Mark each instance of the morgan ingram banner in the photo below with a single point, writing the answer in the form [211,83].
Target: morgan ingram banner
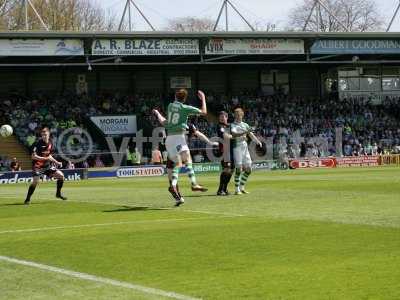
[116,125]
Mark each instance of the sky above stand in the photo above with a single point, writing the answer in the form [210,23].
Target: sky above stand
[256,11]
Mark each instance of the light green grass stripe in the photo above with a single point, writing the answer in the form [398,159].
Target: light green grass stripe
[216,213]
[94,278]
[104,224]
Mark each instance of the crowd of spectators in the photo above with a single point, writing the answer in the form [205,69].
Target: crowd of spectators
[26,115]
[67,111]
[294,124]
[10,165]
[4,163]
[299,124]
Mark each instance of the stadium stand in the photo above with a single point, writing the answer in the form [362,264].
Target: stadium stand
[307,93]
[11,148]
[367,128]
[69,111]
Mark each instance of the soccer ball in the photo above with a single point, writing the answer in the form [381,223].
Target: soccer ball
[6,130]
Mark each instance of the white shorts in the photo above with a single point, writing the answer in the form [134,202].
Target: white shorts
[242,156]
[175,145]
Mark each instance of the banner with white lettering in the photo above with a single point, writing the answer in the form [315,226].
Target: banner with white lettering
[312,163]
[358,161]
[356,47]
[145,47]
[37,47]
[116,125]
[254,46]
[26,176]
[145,171]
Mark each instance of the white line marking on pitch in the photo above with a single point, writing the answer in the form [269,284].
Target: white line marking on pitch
[100,224]
[84,276]
[166,208]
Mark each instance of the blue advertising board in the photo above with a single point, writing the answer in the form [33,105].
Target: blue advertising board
[124,172]
[341,46]
[26,176]
[102,174]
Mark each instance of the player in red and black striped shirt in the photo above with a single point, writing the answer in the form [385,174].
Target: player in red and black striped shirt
[228,165]
[43,163]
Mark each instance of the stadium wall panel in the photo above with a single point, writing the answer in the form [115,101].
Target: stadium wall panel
[148,81]
[116,81]
[49,82]
[212,81]
[304,82]
[12,81]
[241,79]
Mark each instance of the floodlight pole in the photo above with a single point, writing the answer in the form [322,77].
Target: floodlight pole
[225,6]
[319,4]
[394,17]
[123,15]
[333,15]
[28,3]
[38,15]
[128,7]
[130,18]
[226,16]
[3,5]
[26,15]
[219,15]
[320,19]
[309,16]
[144,17]
[240,15]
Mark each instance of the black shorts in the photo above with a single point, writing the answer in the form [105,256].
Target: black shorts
[49,172]
[228,164]
[170,164]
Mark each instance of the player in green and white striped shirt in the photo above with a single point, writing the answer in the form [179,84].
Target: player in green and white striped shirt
[176,125]
[240,131]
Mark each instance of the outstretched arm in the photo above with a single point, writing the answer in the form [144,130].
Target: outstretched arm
[34,156]
[205,139]
[203,109]
[58,163]
[255,139]
[160,117]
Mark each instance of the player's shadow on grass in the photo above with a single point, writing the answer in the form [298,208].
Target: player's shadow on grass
[20,204]
[200,196]
[133,208]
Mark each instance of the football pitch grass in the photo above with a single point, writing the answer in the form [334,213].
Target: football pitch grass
[312,234]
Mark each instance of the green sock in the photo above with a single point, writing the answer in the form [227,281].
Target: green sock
[191,175]
[244,178]
[175,175]
[237,178]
